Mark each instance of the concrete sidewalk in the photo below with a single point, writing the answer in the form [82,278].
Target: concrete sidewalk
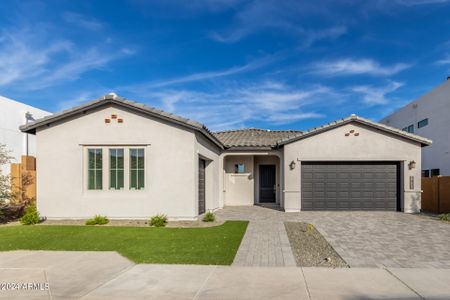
[107,275]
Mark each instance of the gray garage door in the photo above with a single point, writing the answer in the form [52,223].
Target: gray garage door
[350,186]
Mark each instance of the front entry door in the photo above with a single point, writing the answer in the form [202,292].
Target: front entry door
[267,183]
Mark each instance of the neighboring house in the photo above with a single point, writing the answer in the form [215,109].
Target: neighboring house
[122,159]
[12,115]
[428,116]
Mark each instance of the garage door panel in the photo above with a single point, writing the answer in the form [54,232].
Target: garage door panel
[349,185]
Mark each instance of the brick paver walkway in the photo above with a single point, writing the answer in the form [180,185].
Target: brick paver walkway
[363,239]
[265,244]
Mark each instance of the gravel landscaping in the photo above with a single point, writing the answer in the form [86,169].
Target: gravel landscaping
[134,223]
[310,248]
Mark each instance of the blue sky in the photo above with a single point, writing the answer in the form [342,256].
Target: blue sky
[228,64]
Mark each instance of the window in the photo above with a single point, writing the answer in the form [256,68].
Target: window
[435,172]
[425,173]
[116,169]
[409,128]
[422,123]
[136,169]
[95,171]
[239,168]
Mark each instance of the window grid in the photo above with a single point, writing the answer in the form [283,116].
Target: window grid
[95,169]
[137,168]
[116,167]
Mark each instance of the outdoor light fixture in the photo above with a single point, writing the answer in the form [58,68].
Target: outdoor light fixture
[412,165]
[292,165]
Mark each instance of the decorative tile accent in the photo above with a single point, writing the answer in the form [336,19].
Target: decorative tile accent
[352,132]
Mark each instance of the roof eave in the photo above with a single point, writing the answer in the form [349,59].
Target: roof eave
[31,128]
[423,141]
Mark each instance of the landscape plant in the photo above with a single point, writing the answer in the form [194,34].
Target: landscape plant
[209,217]
[97,220]
[445,217]
[31,216]
[158,220]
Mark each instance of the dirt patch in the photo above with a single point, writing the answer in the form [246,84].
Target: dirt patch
[134,223]
[310,248]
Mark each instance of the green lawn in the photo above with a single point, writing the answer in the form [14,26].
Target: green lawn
[208,245]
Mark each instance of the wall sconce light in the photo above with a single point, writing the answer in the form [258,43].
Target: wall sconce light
[292,165]
[412,165]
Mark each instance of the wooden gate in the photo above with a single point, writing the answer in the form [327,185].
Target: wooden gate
[436,194]
[23,180]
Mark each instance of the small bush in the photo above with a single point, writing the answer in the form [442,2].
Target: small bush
[209,217]
[31,216]
[10,212]
[97,220]
[158,221]
[445,217]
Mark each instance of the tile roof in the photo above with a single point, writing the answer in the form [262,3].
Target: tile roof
[114,99]
[253,137]
[233,139]
[357,119]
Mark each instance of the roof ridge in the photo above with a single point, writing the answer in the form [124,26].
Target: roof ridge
[258,129]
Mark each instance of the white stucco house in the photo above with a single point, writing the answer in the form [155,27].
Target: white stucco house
[122,159]
[12,115]
[428,116]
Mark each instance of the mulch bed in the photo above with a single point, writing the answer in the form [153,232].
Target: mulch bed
[310,248]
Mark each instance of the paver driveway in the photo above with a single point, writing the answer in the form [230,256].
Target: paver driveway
[363,239]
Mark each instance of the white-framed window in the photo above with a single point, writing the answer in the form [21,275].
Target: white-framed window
[116,168]
[95,168]
[137,168]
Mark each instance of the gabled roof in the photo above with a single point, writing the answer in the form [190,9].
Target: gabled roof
[253,137]
[241,139]
[114,99]
[354,118]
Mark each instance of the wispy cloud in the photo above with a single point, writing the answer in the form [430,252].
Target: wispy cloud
[31,59]
[235,106]
[209,75]
[444,61]
[83,21]
[376,95]
[349,66]
[282,16]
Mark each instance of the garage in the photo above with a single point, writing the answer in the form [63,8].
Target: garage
[337,185]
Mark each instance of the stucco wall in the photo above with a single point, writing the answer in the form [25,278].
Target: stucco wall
[12,115]
[370,145]
[239,188]
[435,106]
[171,161]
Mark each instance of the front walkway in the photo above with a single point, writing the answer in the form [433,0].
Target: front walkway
[265,243]
[362,239]
[107,275]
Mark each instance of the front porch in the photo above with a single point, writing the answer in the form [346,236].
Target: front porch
[252,179]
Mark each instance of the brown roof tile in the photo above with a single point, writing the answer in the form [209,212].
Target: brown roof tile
[253,137]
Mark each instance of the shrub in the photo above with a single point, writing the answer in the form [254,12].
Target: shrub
[209,217]
[158,220]
[10,212]
[97,220]
[445,217]
[31,216]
